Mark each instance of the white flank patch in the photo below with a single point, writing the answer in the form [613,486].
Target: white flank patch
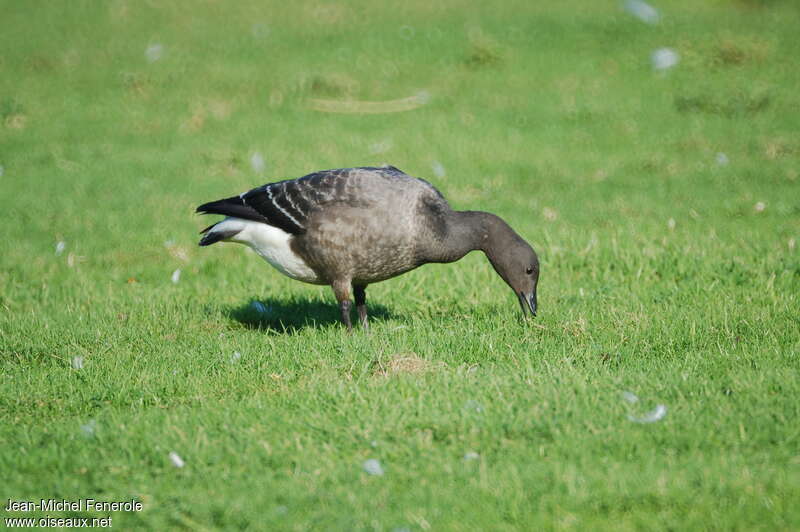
[272,244]
[176,276]
[60,247]
[176,460]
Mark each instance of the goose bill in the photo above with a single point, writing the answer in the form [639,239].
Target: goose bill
[528,303]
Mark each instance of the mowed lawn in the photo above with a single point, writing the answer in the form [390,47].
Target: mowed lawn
[665,206]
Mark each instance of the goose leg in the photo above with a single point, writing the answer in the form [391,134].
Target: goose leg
[342,292]
[360,293]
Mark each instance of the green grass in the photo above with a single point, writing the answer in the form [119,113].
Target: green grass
[662,274]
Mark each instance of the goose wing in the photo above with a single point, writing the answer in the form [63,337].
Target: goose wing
[288,204]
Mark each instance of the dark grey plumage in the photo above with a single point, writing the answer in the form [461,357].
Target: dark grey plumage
[355,226]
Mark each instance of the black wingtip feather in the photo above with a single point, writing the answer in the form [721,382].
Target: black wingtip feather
[233,206]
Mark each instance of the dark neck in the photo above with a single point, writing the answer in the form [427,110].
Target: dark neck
[469,231]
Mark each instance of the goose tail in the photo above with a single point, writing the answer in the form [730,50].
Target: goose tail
[220,231]
[236,210]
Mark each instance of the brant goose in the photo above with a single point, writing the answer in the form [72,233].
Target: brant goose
[352,227]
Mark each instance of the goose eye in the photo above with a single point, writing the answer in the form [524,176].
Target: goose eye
[529,271]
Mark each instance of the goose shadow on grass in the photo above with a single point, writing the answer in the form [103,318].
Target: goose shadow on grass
[289,316]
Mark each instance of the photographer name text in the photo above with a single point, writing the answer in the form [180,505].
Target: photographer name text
[78,505]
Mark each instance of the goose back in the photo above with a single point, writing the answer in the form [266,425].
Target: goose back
[371,228]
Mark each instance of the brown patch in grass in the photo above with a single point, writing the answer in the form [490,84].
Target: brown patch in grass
[195,122]
[179,252]
[40,63]
[327,13]
[483,55]
[220,109]
[778,148]
[483,52]
[136,84]
[404,363]
[275,98]
[734,51]
[364,107]
[17,121]
[119,10]
[73,260]
[736,104]
[333,84]
[576,328]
